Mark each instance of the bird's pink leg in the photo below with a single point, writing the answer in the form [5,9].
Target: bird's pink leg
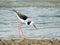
[19,29]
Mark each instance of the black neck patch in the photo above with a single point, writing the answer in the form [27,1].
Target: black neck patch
[28,22]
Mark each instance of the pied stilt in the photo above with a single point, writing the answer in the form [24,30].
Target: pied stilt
[24,19]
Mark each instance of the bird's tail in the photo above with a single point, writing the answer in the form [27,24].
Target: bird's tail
[15,11]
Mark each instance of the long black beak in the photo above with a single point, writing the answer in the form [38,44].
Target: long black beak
[35,26]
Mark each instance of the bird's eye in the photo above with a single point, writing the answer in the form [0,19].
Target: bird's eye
[28,22]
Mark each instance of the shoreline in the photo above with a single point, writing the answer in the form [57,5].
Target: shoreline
[30,42]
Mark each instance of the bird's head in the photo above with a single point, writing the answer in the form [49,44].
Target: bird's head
[33,24]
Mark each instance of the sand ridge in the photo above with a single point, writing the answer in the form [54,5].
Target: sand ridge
[30,42]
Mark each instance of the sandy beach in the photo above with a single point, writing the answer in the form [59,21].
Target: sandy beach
[30,42]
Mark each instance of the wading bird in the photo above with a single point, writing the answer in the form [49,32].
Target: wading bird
[24,19]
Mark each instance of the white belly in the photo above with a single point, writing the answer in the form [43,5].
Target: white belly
[22,20]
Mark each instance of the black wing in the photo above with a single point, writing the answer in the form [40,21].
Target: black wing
[21,15]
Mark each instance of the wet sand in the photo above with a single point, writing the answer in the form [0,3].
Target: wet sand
[30,42]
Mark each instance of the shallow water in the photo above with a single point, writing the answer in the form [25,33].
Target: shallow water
[46,20]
